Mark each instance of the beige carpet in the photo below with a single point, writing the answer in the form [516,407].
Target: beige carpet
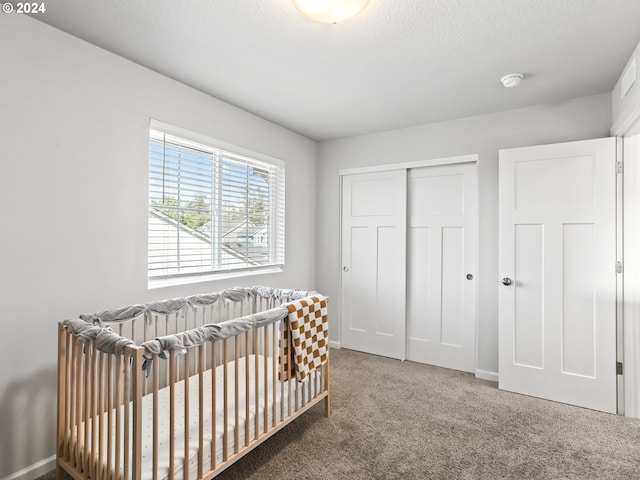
[403,420]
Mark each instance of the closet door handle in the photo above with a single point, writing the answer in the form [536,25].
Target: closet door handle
[345,268]
[506,281]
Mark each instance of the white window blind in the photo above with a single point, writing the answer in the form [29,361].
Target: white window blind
[211,210]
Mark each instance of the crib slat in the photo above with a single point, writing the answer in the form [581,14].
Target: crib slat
[274,375]
[118,402]
[87,404]
[127,415]
[201,368]
[290,373]
[155,372]
[93,454]
[225,404]
[62,389]
[265,351]
[68,395]
[79,400]
[297,388]
[172,413]
[303,391]
[77,444]
[138,380]
[256,378]
[145,337]
[282,353]
[247,397]
[73,402]
[185,383]
[100,394]
[109,415]
[327,386]
[214,403]
[236,361]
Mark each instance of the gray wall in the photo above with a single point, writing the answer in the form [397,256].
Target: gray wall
[74,123]
[578,119]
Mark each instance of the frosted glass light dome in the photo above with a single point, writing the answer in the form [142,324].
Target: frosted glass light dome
[330,11]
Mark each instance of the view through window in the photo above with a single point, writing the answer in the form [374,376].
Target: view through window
[211,210]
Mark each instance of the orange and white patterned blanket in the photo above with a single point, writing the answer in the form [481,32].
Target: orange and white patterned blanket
[308,334]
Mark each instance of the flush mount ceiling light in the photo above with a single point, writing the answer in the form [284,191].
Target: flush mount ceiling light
[330,11]
[512,80]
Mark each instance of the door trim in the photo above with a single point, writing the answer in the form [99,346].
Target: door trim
[631,274]
[620,347]
[628,130]
[473,158]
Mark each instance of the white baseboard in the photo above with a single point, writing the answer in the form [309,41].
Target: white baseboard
[485,375]
[34,471]
[334,344]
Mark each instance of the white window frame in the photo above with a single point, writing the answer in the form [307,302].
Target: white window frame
[276,229]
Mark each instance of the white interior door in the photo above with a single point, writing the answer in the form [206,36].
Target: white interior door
[441,266]
[557,264]
[373,262]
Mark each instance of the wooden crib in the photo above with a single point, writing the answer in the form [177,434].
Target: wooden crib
[181,389]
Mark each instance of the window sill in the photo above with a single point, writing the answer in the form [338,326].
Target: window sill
[155,283]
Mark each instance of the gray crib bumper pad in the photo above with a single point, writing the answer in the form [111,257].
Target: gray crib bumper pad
[91,328]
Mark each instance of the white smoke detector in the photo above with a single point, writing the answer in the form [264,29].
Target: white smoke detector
[512,80]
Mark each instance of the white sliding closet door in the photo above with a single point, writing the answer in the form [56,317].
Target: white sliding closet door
[441,266]
[557,262]
[373,268]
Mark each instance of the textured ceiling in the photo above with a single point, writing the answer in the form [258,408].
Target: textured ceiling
[399,63]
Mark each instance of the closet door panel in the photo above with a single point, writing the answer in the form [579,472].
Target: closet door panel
[373,262]
[441,291]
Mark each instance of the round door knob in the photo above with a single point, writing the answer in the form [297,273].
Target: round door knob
[506,281]
[346,269]
[469,276]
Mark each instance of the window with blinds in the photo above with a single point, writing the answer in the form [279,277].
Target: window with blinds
[212,211]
